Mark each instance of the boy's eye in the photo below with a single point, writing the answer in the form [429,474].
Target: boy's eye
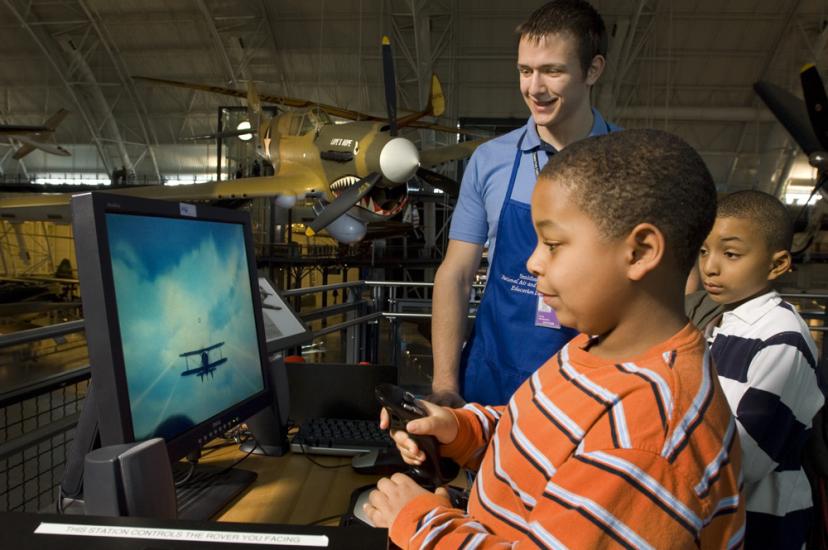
[552,246]
[731,255]
[703,252]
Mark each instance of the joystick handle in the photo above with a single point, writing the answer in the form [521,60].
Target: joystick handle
[403,407]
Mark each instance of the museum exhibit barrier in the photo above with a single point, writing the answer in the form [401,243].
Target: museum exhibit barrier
[377,322]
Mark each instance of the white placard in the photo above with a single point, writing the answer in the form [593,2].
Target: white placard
[160,533]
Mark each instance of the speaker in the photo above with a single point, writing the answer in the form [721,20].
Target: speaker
[133,479]
[269,426]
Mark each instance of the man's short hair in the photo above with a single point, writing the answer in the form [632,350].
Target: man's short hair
[574,17]
[769,214]
[626,178]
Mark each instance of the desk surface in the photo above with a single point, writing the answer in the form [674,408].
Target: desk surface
[291,489]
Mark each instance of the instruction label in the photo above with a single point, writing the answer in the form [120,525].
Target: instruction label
[153,533]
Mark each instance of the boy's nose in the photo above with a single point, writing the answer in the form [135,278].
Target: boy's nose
[709,266]
[532,264]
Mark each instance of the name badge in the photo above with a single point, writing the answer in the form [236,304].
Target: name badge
[545,316]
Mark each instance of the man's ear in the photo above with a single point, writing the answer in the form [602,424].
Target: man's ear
[645,246]
[780,264]
[595,70]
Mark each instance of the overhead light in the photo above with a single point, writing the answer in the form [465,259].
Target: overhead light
[244,125]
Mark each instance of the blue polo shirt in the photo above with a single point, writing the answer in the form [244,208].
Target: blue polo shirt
[486,178]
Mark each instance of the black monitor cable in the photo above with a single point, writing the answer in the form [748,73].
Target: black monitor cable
[59,503]
[292,428]
[192,462]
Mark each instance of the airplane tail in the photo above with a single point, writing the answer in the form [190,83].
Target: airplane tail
[435,107]
[436,100]
[54,121]
[254,105]
[38,142]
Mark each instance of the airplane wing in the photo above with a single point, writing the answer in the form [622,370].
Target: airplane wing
[17,129]
[199,351]
[301,103]
[24,150]
[54,207]
[216,363]
[439,155]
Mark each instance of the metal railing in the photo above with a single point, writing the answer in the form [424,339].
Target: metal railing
[367,320]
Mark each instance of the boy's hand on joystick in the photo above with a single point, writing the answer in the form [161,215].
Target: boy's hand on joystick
[439,423]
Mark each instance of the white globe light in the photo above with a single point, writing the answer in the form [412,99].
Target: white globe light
[244,125]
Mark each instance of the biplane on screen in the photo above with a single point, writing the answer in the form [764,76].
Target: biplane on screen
[186,319]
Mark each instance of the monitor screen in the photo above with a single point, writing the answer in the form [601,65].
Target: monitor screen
[172,316]
[186,318]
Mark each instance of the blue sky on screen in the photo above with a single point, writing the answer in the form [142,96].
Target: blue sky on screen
[182,285]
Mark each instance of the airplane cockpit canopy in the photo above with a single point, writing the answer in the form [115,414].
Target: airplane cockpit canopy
[299,123]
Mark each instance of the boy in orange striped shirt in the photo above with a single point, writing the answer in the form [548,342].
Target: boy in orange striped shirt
[624,437]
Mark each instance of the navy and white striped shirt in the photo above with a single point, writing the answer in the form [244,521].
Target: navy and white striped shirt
[767,365]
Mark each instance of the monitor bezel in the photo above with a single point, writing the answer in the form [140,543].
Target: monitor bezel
[101,317]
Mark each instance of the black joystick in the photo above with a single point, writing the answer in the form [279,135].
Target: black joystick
[403,407]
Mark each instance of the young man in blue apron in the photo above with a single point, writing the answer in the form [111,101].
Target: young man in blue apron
[561,55]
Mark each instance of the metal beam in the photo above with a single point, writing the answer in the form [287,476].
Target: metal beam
[211,27]
[47,45]
[126,80]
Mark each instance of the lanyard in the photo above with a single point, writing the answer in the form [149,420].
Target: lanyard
[535,162]
[535,152]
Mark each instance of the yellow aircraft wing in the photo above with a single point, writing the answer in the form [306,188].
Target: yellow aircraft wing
[55,206]
[439,155]
[408,120]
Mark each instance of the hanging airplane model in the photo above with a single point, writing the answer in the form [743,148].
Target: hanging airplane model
[36,137]
[807,122]
[206,367]
[356,172]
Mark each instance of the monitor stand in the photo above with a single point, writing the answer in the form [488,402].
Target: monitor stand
[210,490]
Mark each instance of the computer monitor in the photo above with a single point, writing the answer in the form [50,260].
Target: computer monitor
[171,307]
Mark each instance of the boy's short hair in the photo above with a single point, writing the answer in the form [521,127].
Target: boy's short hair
[626,178]
[769,214]
[574,17]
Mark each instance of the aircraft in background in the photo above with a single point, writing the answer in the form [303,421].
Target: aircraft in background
[356,173]
[807,122]
[36,137]
[206,367]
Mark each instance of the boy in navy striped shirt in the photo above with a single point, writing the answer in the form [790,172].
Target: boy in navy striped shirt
[766,362]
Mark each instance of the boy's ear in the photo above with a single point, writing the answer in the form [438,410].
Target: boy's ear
[596,68]
[780,264]
[645,250]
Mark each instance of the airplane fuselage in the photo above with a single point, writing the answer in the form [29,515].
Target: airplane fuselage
[338,155]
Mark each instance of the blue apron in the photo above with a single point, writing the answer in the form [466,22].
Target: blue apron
[505,346]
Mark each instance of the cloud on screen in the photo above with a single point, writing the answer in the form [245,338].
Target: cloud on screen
[182,285]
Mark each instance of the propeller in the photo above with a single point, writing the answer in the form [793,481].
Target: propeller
[356,192]
[791,112]
[816,103]
[342,203]
[390,85]
[441,182]
[807,122]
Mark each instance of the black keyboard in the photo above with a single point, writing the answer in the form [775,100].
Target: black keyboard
[340,437]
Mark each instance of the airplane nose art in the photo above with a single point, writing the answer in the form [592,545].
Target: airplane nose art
[399,160]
